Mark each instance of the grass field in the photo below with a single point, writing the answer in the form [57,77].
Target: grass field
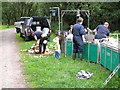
[45,71]
[4,27]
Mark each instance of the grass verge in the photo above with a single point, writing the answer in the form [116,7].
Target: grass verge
[48,72]
[3,27]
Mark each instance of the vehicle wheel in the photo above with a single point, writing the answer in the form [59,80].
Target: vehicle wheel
[21,35]
[17,30]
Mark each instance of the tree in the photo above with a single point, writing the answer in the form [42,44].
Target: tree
[99,11]
[12,11]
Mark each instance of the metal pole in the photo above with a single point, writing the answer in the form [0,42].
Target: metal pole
[88,25]
[111,75]
[88,20]
[0,13]
[64,11]
[50,18]
[62,14]
[88,14]
[58,15]
[117,38]
[59,18]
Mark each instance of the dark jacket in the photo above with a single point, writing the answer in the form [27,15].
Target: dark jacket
[78,31]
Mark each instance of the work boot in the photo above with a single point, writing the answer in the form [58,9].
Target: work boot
[80,56]
[74,56]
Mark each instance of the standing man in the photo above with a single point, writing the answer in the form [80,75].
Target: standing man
[102,31]
[78,31]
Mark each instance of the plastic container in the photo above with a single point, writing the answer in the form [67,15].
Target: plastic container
[102,55]
[115,59]
[109,57]
[68,48]
[93,52]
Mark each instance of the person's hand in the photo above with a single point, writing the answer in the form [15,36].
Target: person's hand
[89,30]
[37,42]
[85,30]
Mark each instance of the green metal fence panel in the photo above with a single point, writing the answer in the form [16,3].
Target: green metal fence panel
[115,59]
[85,51]
[119,63]
[119,72]
[69,48]
[93,52]
[102,55]
[108,58]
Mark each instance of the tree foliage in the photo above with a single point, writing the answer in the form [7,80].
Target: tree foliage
[12,11]
[99,11]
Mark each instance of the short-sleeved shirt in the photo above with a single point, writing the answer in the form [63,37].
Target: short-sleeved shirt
[102,32]
[78,30]
[38,34]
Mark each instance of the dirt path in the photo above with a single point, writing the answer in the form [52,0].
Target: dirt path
[10,68]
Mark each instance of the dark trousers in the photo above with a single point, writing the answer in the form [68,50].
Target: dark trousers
[41,44]
[77,46]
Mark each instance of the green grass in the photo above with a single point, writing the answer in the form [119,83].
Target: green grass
[48,72]
[3,27]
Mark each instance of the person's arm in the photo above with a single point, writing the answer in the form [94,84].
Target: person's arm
[108,34]
[82,31]
[94,30]
[35,37]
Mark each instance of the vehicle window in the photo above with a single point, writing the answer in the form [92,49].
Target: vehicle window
[45,23]
[26,20]
[29,22]
[42,22]
[22,19]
